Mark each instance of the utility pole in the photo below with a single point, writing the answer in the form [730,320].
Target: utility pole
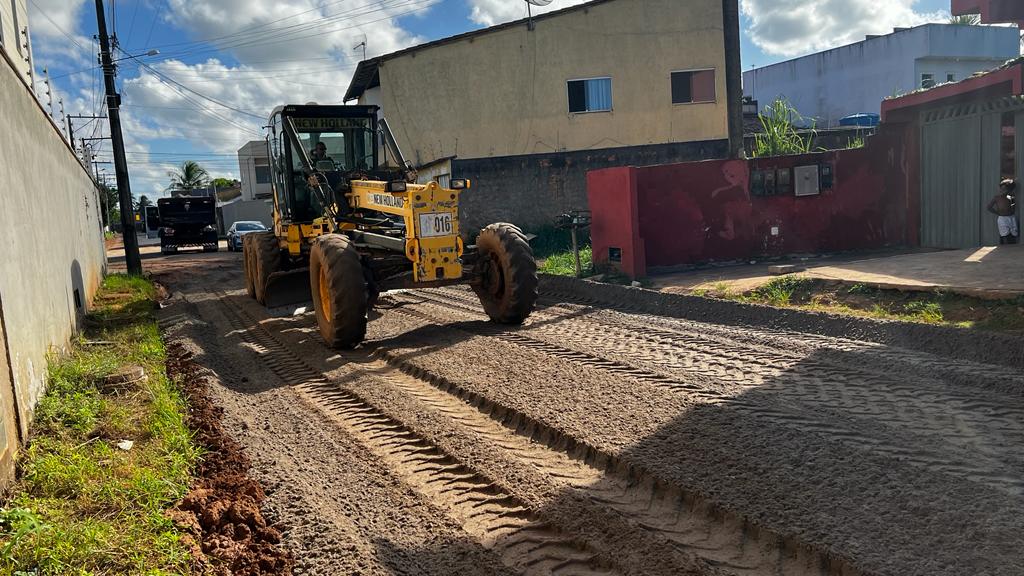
[733,76]
[131,242]
[71,127]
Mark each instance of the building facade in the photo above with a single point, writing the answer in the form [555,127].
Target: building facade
[526,108]
[15,40]
[831,85]
[254,170]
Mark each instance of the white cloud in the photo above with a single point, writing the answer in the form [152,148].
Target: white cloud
[291,51]
[491,12]
[55,40]
[796,27]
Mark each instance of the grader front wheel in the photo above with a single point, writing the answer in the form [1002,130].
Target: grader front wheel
[505,274]
[266,259]
[340,294]
[249,265]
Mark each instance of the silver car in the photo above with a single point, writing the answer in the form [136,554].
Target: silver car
[241,228]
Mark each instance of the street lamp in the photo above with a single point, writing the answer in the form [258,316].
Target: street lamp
[153,52]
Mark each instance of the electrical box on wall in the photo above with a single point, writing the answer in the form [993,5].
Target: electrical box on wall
[783,181]
[827,178]
[757,183]
[808,181]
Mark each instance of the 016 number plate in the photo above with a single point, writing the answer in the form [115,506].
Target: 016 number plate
[435,224]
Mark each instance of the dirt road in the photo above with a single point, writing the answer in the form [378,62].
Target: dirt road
[593,441]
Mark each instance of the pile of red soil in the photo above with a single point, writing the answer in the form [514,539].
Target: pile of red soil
[222,509]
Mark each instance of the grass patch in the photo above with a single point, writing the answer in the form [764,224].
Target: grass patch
[867,301]
[564,263]
[82,505]
[779,292]
[552,241]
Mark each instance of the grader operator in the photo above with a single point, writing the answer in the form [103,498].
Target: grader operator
[349,225]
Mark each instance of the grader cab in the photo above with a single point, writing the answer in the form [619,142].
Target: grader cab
[349,224]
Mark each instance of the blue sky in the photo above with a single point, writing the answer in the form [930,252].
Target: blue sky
[236,59]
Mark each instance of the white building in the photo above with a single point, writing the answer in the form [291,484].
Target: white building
[254,170]
[857,78]
[15,41]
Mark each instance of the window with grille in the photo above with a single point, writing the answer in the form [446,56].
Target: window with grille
[590,95]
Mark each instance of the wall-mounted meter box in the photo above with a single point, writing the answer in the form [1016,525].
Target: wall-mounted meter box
[808,180]
[827,178]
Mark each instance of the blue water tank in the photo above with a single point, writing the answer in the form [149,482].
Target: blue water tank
[865,120]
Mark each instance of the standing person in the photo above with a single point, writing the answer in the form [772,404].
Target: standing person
[1004,206]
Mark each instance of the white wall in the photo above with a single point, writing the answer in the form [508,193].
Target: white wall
[13,21]
[52,239]
[857,78]
[249,156]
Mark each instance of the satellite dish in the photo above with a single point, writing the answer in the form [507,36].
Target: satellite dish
[539,2]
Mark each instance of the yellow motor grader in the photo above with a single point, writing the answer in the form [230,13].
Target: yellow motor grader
[349,225]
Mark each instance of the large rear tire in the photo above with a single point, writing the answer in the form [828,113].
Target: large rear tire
[266,259]
[249,266]
[505,274]
[340,293]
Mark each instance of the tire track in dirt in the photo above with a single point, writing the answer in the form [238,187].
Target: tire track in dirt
[723,541]
[496,518]
[837,349]
[711,340]
[935,431]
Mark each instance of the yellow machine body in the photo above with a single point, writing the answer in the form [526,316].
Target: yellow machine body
[431,214]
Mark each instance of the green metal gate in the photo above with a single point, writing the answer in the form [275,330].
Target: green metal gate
[960,171]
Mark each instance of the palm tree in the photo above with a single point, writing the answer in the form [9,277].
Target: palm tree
[189,176]
[966,20]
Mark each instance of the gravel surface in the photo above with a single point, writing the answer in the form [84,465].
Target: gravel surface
[629,443]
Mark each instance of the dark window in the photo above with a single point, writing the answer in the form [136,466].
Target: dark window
[927,80]
[263,174]
[950,77]
[593,95]
[693,86]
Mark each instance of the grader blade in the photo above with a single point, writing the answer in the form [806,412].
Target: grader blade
[287,288]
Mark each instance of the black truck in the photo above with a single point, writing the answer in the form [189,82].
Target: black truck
[187,221]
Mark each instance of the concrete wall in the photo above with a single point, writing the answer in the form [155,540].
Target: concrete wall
[13,22]
[704,212]
[504,92]
[52,238]
[857,78]
[256,210]
[531,191]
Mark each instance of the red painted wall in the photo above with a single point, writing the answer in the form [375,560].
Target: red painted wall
[615,225]
[704,212]
[991,11]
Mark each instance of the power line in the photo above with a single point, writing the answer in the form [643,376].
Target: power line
[57,26]
[289,35]
[245,30]
[186,88]
[156,16]
[131,26]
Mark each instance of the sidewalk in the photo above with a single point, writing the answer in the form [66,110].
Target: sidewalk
[989,272]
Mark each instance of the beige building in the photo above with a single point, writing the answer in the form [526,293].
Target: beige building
[14,37]
[526,109]
[606,74]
